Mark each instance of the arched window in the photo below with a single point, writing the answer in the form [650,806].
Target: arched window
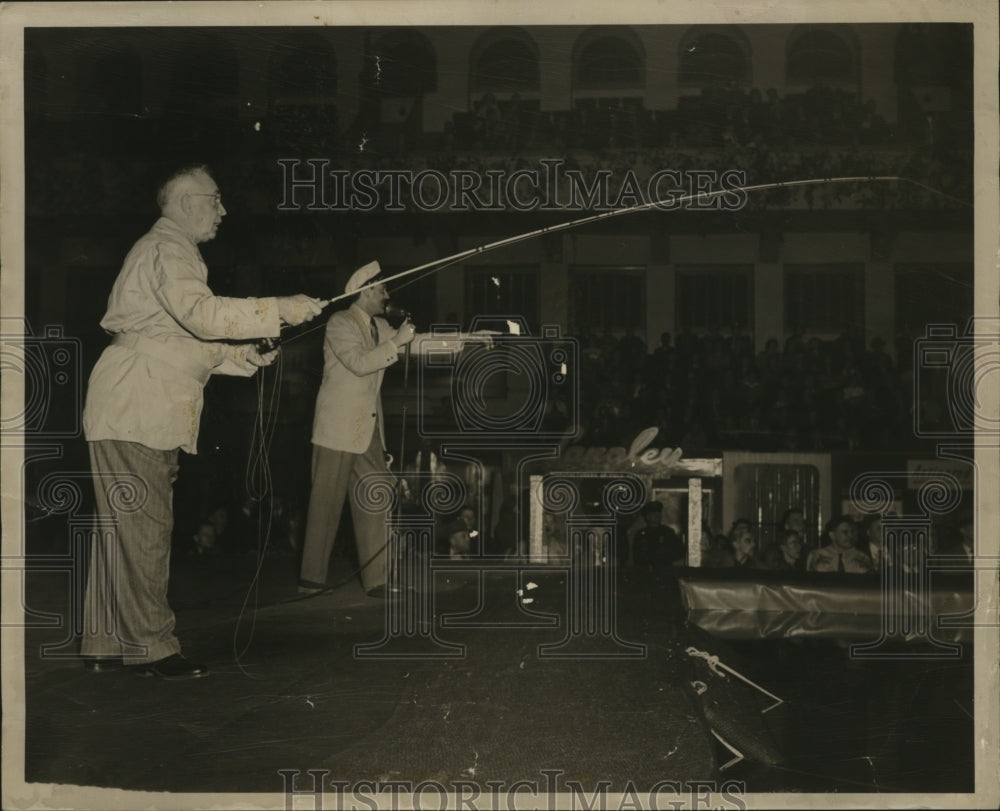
[304,68]
[820,55]
[302,92]
[715,57]
[402,63]
[504,60]
[609,88]
[609,59]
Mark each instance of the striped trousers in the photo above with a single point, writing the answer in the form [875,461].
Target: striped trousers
[126,612]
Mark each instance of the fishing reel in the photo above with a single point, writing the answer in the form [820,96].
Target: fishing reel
[265,345]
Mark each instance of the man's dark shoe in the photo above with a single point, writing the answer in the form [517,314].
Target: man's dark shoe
[102,664]
[173,668]
[382,592]
[311,587]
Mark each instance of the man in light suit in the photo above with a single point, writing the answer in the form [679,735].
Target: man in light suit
[348,431]
[348,435]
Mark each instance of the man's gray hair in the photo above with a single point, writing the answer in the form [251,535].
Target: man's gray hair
[165,193]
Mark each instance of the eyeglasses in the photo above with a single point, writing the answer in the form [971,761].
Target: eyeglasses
[216,198]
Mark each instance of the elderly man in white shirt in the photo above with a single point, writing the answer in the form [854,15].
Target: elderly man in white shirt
[170,333]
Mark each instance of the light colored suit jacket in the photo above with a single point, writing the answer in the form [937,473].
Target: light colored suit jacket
[349,405]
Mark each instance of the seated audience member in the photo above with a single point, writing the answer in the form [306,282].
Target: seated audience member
[589,545]
[219,519]
[464,539]
[294,529]
[840,554]
[204,540]
[909,557]
[245,527]
[673,514]
[744,545]
[553,536]
[459,542]
[738,526]
[461,535]
[964,545]
[966,529]
[904,554]
[794,520]
[656,544]
[875,541]
[510,528]
[786,554]
[717,552]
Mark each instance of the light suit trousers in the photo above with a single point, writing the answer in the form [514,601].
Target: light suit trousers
[335,476]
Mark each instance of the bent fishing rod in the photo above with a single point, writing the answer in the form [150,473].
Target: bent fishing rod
[663,204]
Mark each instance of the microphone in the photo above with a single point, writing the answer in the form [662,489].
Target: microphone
[395,311]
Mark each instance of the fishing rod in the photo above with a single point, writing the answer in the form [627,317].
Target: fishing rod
[662,204]
[672,202]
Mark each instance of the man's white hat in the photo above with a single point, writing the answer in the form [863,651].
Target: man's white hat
[362,276]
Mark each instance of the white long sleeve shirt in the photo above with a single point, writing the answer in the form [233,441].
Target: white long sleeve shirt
[174,332]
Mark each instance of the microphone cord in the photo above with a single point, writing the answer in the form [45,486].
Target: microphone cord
[259,488]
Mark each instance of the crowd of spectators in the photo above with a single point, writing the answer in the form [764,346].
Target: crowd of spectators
[713,391]
[716,116]
[846,545]
[83,178]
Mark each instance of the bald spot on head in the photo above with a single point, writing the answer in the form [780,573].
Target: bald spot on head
[185,181]
[190,198]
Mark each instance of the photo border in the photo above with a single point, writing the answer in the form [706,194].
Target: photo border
[14,18]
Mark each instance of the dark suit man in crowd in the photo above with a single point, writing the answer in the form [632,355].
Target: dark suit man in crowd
[656,544]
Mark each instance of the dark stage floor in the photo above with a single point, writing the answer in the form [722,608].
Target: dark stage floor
[290,692]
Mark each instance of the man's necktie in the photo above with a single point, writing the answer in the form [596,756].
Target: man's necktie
[840,563]
[374,328]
